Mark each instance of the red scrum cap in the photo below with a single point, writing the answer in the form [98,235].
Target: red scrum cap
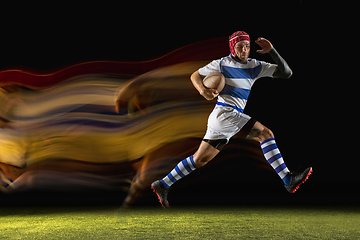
[236,37]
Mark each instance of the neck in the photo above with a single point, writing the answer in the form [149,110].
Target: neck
[239,60]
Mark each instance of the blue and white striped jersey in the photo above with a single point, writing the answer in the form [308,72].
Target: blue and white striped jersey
[239,79]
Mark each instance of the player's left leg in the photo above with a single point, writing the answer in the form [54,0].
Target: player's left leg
[272,154]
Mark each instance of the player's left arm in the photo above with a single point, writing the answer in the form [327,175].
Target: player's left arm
[283,70]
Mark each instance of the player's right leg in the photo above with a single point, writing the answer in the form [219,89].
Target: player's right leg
[205,153]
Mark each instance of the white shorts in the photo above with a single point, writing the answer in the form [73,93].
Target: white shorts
[225,122]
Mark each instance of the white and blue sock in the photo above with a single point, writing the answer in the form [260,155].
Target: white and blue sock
[185,167]
[274,158]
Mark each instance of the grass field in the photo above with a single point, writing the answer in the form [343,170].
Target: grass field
[243,222]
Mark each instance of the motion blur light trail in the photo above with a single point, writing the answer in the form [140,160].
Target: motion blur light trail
[77,120]
[99,124]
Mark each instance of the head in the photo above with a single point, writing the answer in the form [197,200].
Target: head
[239,43]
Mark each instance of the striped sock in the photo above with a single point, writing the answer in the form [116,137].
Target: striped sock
[274,158]
[183,168]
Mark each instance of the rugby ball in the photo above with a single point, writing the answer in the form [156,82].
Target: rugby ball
[214,80]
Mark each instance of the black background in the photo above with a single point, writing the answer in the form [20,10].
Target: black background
[308,112]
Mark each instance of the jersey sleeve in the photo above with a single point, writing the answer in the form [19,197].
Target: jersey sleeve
[267,69]
[213,66]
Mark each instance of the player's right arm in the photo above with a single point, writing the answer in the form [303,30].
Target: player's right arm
[197,81]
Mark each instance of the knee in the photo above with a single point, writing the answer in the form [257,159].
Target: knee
[204,154]
[260,133]
[266,133]
[201,161]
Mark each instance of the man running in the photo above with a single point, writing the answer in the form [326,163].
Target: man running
[228,118]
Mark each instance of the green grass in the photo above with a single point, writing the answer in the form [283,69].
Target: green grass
[180,223]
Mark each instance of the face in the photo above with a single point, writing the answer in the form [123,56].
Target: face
[242,50]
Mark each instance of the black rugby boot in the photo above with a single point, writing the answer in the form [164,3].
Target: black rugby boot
[297,179]
[161,193]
